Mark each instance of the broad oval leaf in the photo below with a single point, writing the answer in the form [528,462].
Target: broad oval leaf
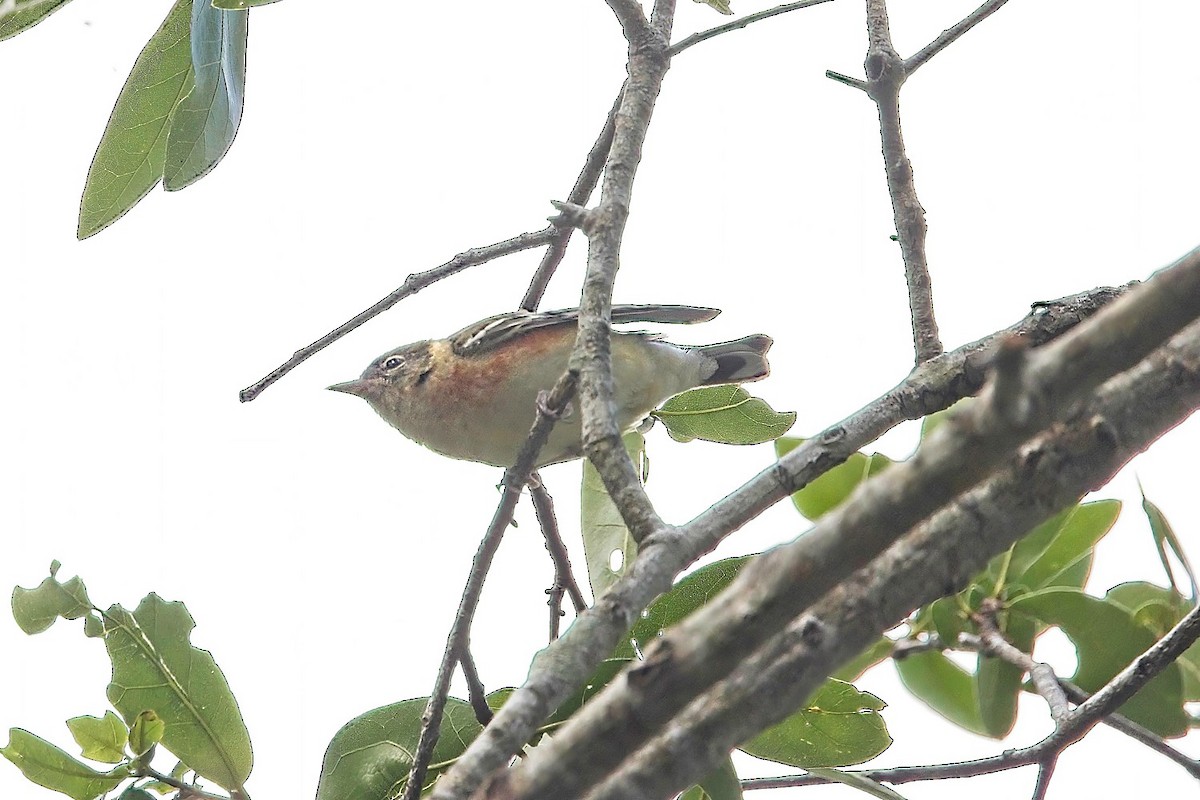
[132,151]
[101,739]
[1079,529]
[998,683]
[36,609]
[50,766]
[830,490]
[1160,609]
[691,592]
[608,547]
[723,414]
[944,686]
[155,667]
[204,123]
[370,757]
[24,14]
[839,726]
[1107,638]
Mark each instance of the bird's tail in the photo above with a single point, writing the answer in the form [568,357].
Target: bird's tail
[738,361]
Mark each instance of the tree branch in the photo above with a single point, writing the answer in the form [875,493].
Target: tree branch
[738,24]
[564,578]
[938,557]
[992,643]
[777,586]
[515,478]
[950,35]
[563,666]
[412,284]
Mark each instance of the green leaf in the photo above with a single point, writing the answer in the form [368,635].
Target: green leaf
[998,683]
[723,414]
[101,739]
[146,731]
[49,766]
[838,726]
[25,14]
[35,610]
[1107,638]
[129,160]
[831,489]
[1160,609]
[881,650]
[608,547]
[138,793]
[369,758]
[238,5]
[860,782]
[1080,529]
[721,784]
[945,687]
[155,667]
[1164,537]
[720,5]
[691,592]
[204,123]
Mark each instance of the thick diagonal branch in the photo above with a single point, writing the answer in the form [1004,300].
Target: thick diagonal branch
[1029,392]
[563,666]
[940,556]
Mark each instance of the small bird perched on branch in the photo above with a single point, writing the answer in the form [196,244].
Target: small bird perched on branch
[471,396]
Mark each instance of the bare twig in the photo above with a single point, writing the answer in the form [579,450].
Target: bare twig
[738,24]
[475,690]
[413,284]
[564,578]
[774,588]
[585,184]
[885,76]
[1049,473]
[993,643]
[515,478]
[950,35]
[563,666]
[886,72]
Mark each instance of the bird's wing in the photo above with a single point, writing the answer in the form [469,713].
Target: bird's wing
[494,331]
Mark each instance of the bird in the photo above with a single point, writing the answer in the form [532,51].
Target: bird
[472,395]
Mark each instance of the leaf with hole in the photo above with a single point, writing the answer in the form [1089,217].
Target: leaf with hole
[608,547]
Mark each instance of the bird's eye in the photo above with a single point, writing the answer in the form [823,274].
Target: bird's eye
[393,362]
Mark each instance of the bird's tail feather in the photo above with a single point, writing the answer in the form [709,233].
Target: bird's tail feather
[738,361]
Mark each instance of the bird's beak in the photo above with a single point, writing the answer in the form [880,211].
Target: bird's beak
[358,388]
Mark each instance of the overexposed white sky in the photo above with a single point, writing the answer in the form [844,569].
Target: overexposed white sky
[321,553]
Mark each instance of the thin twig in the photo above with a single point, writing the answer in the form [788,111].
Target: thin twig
[515,478]
[950,35]
[993,643]
[885,75]
[585,184]
[562,667]
[738,24]
[188,790]
[456,642]
[413,284]
[564,577]
[1045,773]
[475,690]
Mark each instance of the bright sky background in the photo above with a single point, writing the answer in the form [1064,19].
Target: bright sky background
[321,553]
